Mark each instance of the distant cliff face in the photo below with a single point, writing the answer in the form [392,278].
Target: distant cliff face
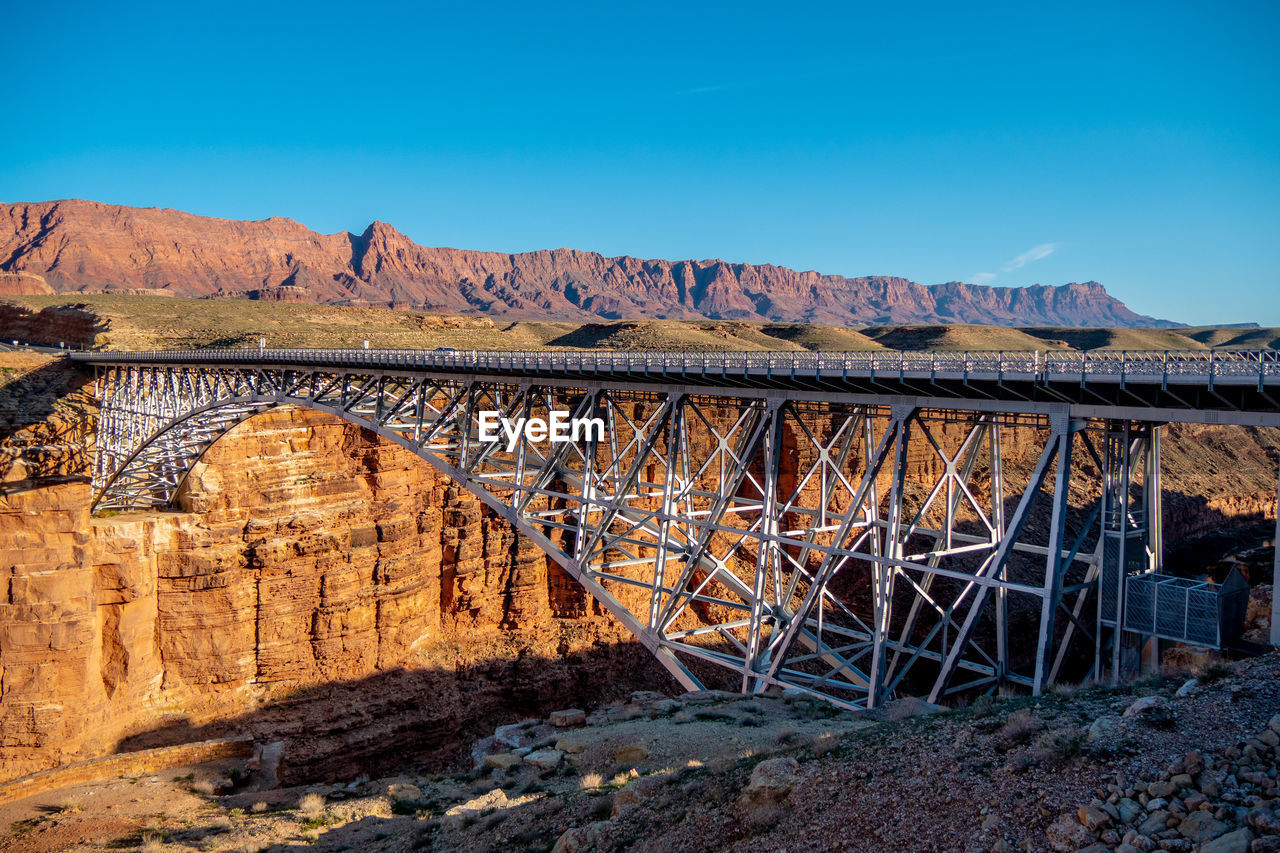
[82,246]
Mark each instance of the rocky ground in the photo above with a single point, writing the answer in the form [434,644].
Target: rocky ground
[1180,762]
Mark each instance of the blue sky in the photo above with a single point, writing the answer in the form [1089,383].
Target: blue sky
[1136,144]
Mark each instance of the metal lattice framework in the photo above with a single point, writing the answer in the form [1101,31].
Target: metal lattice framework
[848,547]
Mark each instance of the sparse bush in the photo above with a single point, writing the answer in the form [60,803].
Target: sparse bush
[984,706]
[591,780]
[151,843]
[1064,691]
[311,804]
[218,825]
[713,716]
[322,820]
[258,807]
[623,777]
[1211,671]
[204,787]
[1058,745]
[787,736]
[602,809]
[750,722]
[71,806]
[1018,728]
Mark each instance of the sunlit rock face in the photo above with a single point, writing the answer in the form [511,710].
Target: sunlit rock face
[83,246]
[317,585]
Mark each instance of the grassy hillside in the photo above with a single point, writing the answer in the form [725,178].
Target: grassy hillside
[143,322]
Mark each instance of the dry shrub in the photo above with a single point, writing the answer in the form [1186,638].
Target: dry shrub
[311,804]
[1058,745]
[1018,728]
[71,806]
[151,843]
[1211,671]
[204,787]
[788,736]
[258,807]
[624,777]
[591,780]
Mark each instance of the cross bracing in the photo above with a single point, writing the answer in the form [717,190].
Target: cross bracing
[854,547]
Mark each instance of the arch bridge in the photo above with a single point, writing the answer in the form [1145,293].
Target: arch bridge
[858,526]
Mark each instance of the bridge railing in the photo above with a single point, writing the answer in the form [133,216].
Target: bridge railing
[1040,366]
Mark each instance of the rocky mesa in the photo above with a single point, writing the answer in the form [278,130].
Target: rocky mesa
[87,247]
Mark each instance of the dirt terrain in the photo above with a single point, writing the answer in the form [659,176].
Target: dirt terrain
[1179,761]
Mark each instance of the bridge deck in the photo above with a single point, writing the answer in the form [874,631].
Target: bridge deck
[1209,386]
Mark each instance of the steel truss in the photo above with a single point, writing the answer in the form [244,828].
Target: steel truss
[753,540]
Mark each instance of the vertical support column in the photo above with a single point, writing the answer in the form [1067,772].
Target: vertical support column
[767,550]
[997,522]
[1275,580]
[884,570]
[675,441]
[1154,501]
[1055,565]
[1121,520]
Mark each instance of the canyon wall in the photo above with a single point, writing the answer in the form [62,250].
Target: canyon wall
[82,246]
[317,585]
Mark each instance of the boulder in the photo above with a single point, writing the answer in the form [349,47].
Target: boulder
[1104,728]
[571,746]
[772,780]
[568,718]
[1238,841]
[1189,688]
[1068,834]
[502,760]
[1093,817]
[1155,822]
[495,799]
[580,839]
[1200,827]
[544,759]
[403,793]
[625,800]
[1144,705]
[1130,810]
[631,754]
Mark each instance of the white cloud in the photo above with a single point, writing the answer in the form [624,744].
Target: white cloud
[1035,253]
[982,277]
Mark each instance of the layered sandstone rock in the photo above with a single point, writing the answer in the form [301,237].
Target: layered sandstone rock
[82,246]
[319,586]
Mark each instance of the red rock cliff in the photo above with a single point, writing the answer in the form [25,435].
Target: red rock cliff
[319,586]
[82,246]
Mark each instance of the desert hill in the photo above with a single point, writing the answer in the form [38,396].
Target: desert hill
[87,247]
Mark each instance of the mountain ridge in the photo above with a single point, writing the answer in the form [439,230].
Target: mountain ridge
[80,246]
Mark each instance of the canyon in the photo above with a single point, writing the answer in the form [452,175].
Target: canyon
[316,585]
[321,587]
[76,246]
